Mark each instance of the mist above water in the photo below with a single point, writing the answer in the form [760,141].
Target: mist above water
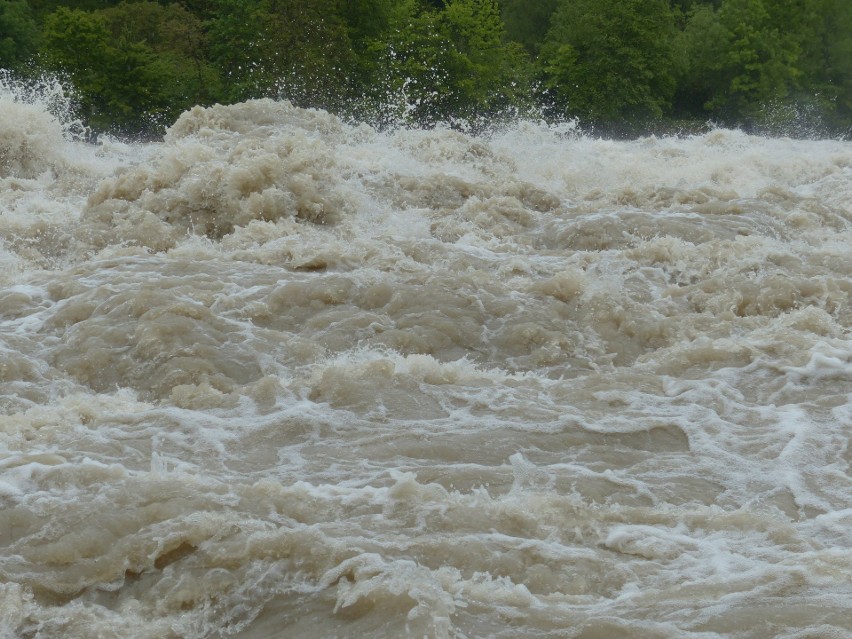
[280,375]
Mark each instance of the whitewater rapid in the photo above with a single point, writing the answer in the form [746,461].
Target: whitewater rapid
[284,376]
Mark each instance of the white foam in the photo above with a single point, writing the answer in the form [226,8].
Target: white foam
[514,384]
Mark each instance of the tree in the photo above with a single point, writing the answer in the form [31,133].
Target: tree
[706,41]
[370,21]
[18,33]
[825,40]
[611,62]
[135,66]
[760,60]
[45,7]
[527,22]
[454,63]
[744,59]
[493,72]
[836,80]
[175,38]
[79,43]
[299,49]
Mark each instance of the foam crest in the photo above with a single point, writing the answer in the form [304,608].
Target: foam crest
[221,168]
[283,372]
[36,124]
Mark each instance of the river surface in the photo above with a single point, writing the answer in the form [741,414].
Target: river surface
[283,376]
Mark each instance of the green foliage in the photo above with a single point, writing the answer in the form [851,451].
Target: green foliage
[454,62]
[758,62]
[836,79]
[685,6]
[241,36]
[79,43]
[299,49]
[826,59]
[416,72]
[493,74]
[18,33]
[372,21]
[527,22]
[45,7]
[621,64]
[772,62]
[705,45]
[136,65]
[611,62]
[173,43]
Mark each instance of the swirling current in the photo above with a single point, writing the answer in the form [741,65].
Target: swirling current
[280,375]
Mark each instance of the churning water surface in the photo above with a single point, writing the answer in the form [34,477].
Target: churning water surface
[282,376]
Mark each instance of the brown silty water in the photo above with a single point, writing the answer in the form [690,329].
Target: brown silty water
[281,376]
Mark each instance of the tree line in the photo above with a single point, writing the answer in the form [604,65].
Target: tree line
[620,66]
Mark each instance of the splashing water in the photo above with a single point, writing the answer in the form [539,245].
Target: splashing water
[280,375]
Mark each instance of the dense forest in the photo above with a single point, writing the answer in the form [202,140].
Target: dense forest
[620,67]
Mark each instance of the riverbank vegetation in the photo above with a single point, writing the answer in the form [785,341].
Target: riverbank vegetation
[620,67]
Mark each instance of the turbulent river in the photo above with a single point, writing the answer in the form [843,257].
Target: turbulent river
[282,376]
